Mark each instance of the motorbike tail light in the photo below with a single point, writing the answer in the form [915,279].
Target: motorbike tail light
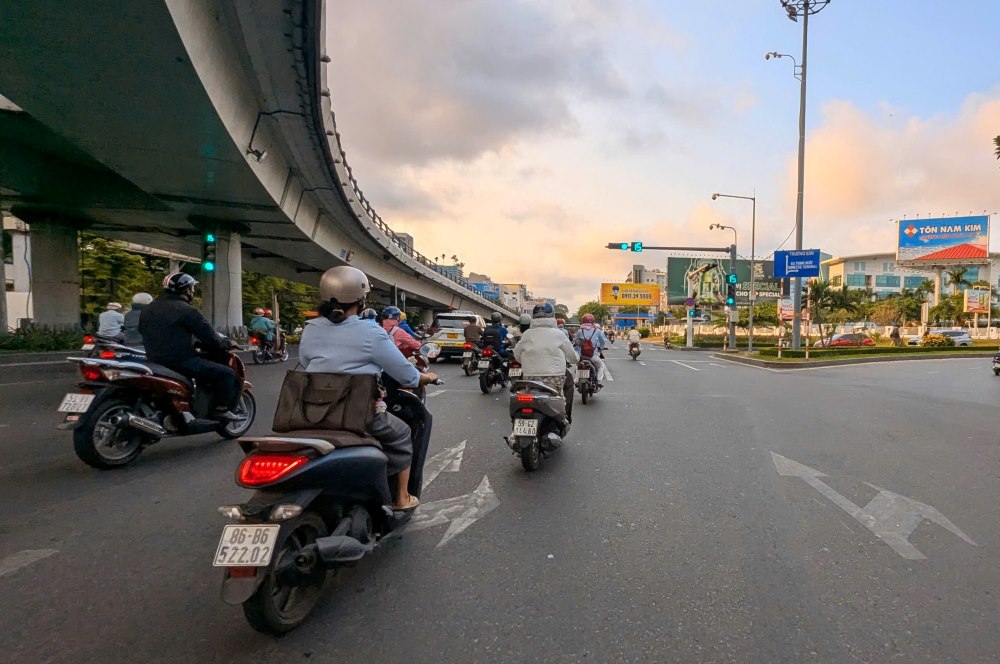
[107,355]
[241,572]
[525,398]
[488,352]
[259,469]
[88,339]
[527,411]
[467,346]
[515,364]
[253,340]
[91,372]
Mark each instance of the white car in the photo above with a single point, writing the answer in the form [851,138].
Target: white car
[960,337]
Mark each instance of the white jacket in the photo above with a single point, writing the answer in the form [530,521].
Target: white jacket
[633,336]
[544,349]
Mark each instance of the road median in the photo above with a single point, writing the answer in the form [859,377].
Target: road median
[801,363]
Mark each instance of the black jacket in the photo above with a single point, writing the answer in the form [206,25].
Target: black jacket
[132,336]
[169,326]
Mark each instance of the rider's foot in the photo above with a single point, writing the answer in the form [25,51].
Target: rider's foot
[226,414]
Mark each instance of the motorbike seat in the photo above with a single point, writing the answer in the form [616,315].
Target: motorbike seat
[321,441]
[164,372]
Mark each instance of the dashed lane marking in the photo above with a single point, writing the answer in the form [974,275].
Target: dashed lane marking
[12,563]
[688,366]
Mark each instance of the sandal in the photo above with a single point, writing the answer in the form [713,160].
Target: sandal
[414,501]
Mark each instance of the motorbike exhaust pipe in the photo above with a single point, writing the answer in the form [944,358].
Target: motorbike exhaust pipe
[142,424]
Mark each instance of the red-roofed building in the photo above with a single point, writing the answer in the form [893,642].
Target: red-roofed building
[957,252]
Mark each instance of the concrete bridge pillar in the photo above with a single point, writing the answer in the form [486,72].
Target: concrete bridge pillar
[426,317]
[222,288]
[54,274]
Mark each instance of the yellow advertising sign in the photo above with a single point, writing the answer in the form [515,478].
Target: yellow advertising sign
[631,295]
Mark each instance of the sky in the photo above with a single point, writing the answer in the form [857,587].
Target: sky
[524,136]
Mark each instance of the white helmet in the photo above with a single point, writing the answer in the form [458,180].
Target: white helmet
[142,298]
[114,306]
[344,285]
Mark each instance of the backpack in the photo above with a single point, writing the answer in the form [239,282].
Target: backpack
[491,337]
[586,345]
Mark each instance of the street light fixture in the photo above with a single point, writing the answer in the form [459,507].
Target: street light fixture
[732,267]
[753,256]
[795,9]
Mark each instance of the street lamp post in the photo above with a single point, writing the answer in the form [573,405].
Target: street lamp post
[753,256]
[732,267]
[794,9]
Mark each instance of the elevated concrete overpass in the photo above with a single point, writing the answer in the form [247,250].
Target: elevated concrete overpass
[154,122]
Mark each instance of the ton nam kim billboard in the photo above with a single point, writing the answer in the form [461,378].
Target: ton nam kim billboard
[630,295]
[945,241]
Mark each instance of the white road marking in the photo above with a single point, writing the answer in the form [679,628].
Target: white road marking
[717,365]
[685,365]
[459,512]
[449,461]
[12,563]
[642,364]
[434,394]
[892,517]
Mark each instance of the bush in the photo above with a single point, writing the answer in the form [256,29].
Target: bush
[865,350]
[644,332]
[293,339]
[937,340]
[41,339]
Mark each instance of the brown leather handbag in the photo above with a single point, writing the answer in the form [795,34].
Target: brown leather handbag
[340,402]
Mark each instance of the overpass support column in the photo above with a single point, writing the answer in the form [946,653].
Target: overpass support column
[222,289]
[55,274]
[426,317]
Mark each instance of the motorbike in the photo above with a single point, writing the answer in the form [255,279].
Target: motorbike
[634,350]
[492,370]
[264,351]
[538,416]
[996,364]
[586,379]
[470,358]
[666,342]
[514,370]
[322,501]
[110,348]
[124,406]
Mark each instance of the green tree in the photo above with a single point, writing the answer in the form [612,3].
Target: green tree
[109,273]
[294,299]
[925,289]
[593,307]
[996,142]
[562,311]
[956,277]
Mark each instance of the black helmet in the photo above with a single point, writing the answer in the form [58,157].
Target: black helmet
[495,317]
[543,310]
[178,282]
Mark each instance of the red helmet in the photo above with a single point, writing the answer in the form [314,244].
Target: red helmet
[588,318]
[560,321]
[267,313]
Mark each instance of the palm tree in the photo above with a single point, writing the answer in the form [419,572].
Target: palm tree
[925,288]
[956,277]
[996,141]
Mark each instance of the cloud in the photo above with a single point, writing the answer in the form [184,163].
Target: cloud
[475,79]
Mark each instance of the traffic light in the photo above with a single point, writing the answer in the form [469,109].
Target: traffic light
[731,280]
[637,246]
[626,246]
[208,250]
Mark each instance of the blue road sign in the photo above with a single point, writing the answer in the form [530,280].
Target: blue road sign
[796,263]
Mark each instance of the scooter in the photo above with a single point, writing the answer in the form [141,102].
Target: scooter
[538,415]
[470,358]
[492,370]
[634,350]
[264,351]
[586,379]
[322,501]
[124,406]
[110,348]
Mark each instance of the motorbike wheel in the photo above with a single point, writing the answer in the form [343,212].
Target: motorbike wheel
[484,382]
[584,395]
[256,356]
[103,444]
[279,606]
[531,456]
[996,372]
[246,405]
[284,354]
[468,368]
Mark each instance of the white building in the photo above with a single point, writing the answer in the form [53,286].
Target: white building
[641,274]
[881,273]
[514,296]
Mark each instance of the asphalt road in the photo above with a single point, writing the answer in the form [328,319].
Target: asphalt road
[661,532]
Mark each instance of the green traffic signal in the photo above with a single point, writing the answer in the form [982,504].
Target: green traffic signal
[208,266]
[208,251]
[210,237]
[624,246]
[731,278]
[637,246]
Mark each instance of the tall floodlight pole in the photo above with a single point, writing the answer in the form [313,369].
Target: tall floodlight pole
[753,256]
[795,9]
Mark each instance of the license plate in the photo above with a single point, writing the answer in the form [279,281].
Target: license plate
[467,353]
[75,403]
[583,373]
[484,364]
[452,336]
[87,347]
[246,546]
[514,372]
[525,427]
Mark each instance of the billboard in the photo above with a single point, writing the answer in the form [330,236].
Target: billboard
[977,301]
[630,295]
[487,289]
[945,241]
[710,287]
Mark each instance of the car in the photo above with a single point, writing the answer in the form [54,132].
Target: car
[847,339]
[960,337]
[448,331]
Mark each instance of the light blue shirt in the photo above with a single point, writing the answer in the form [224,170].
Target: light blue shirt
[353,347]
[110,323]
[596,337]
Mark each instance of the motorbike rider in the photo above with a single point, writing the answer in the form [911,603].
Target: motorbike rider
[633,338]
[370,315]
[472,332]
[407,345]
[111,322]
[263,326]
[495,334]
[544,352]
[167,326]
[561,324]
[523,323]
[589,331]
[403,325]
[139,302]
[340,342]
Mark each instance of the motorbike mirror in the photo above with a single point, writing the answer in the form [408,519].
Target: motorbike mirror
[430,350]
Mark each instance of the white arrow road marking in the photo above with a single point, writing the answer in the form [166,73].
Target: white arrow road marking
[685,365]
[892,517]
[460,511]
[449,460]
[642,364]
[21,559]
